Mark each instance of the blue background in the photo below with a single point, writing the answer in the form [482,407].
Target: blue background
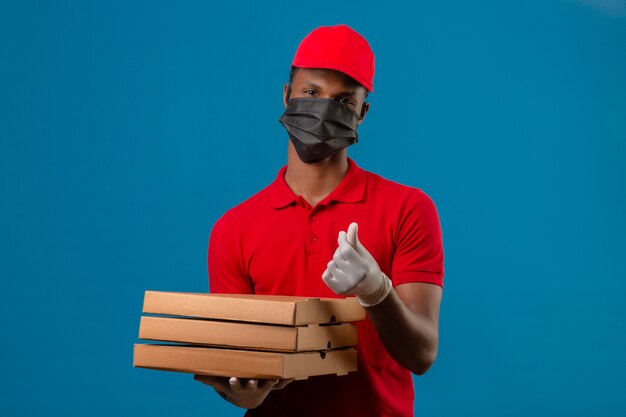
[128,128]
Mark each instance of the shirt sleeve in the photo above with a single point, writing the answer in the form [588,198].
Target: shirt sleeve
[225,260]
[418,255]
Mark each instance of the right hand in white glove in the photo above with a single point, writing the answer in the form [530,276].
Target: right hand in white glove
[244,393]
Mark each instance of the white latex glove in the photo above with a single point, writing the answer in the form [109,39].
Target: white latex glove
[354,271]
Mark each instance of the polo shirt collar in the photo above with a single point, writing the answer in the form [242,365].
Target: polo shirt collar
[351,189]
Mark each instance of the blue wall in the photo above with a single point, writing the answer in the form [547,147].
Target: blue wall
[128,128]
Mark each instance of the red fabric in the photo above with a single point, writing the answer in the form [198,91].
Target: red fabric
[340,48]
[276,243]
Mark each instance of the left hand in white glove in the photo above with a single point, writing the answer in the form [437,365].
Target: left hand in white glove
[354,271]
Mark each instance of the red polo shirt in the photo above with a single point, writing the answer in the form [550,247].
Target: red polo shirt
[276,243]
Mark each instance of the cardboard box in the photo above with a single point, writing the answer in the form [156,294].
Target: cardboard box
[244,363]
[271,309]
[247,335]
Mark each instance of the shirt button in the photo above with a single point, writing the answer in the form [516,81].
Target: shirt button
[312,217]
[314,238]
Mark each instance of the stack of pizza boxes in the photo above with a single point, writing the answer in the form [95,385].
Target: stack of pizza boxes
[248,336]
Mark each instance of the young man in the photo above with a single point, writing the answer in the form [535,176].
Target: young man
[327,228]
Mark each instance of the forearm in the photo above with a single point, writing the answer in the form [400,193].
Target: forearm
[409,337]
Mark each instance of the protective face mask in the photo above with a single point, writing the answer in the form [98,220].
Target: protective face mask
[319,127]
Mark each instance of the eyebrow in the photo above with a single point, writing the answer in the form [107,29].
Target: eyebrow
[343,93]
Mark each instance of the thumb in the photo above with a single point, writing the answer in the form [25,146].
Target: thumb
[352,235]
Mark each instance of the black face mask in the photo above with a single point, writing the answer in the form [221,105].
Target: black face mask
[319,127]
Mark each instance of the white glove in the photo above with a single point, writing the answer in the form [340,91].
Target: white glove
[354,271]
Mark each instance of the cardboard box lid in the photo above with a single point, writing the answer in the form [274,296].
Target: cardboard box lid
[248,335]
[244,363]
[272,309]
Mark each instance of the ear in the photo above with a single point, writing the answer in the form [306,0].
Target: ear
[364,109]
[285,89]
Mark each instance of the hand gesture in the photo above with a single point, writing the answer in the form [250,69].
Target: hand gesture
[354,271]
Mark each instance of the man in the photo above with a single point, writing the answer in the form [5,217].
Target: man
[327,228]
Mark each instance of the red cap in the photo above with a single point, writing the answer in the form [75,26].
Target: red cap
[339,48]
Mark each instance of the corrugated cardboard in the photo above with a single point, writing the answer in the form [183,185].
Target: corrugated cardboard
[246,335]
[272,309]
[244,363]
